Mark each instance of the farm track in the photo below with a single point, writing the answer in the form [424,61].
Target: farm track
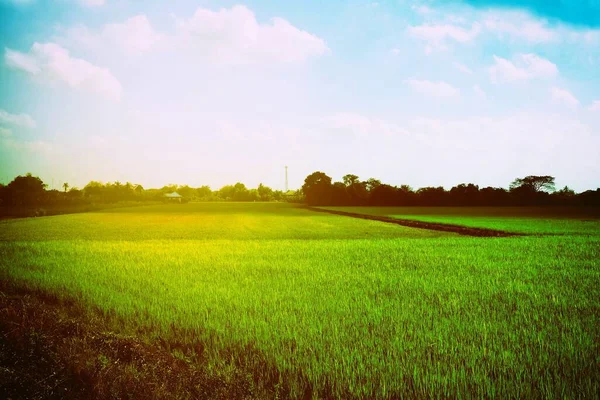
[461,230]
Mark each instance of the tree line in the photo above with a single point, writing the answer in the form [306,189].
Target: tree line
[29,192]
[26,193]
[532,190]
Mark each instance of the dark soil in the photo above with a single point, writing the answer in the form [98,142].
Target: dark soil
[53,349]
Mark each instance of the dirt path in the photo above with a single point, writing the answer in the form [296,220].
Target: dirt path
[461,230]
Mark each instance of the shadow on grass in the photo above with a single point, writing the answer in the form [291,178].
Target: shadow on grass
[53,348]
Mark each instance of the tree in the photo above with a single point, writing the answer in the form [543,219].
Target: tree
[170,188]
[590,198]
[372,183]
[339,194]
[563,196]
[532,190]
[203,192]
[186,191]
[74,194]
[240,192]
[359,195]
[383,195]
[534,183]
[226,192]
[26,190]
[432,196]
[566,191]
[65,186]
[357,190]
[252,195]
[317,189]
[237,192]
[491,196]
[464,195]
[95,190]
[265,193]
[350,179]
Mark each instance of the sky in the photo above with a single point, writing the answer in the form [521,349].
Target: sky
[424,93]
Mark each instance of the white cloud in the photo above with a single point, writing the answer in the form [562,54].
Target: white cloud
[527,142]
[92,3]
[518,25]
[539,67]
[592,36]
[37,146]
[479,93]
[422,10]
[437,36]
[234,36]
[24,62]
[361,125]
[23,120]
[226,36]
[526,66]
[503,24]
[505,71]
[135,34]
[433,89]
[395,51]
[52,63]
[463,68]
[564,96]
[595,106]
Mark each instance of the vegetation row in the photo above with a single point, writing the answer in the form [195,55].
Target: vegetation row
[28,195]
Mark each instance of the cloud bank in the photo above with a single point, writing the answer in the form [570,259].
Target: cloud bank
[49,62]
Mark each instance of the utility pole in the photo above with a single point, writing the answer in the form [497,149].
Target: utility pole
[286,179]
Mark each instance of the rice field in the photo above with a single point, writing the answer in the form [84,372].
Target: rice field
[527,220]
[334,306]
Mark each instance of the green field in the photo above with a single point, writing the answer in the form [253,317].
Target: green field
[333,305]
[527,220]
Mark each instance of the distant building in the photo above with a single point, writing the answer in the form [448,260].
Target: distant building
[174,197]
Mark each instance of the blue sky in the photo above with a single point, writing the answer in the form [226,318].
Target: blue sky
[424,93]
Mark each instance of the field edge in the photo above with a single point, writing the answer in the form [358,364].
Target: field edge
[433,226]
[53,347]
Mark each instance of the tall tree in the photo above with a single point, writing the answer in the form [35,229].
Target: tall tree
[265,193]
[317,189]
[350,179]
[203,192]
[535,183]
[186,191]
[26,190]
[464,195]
[372,183]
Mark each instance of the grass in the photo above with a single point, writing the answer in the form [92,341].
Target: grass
[59,209]
[201,221]
[528,220]
[330,305]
